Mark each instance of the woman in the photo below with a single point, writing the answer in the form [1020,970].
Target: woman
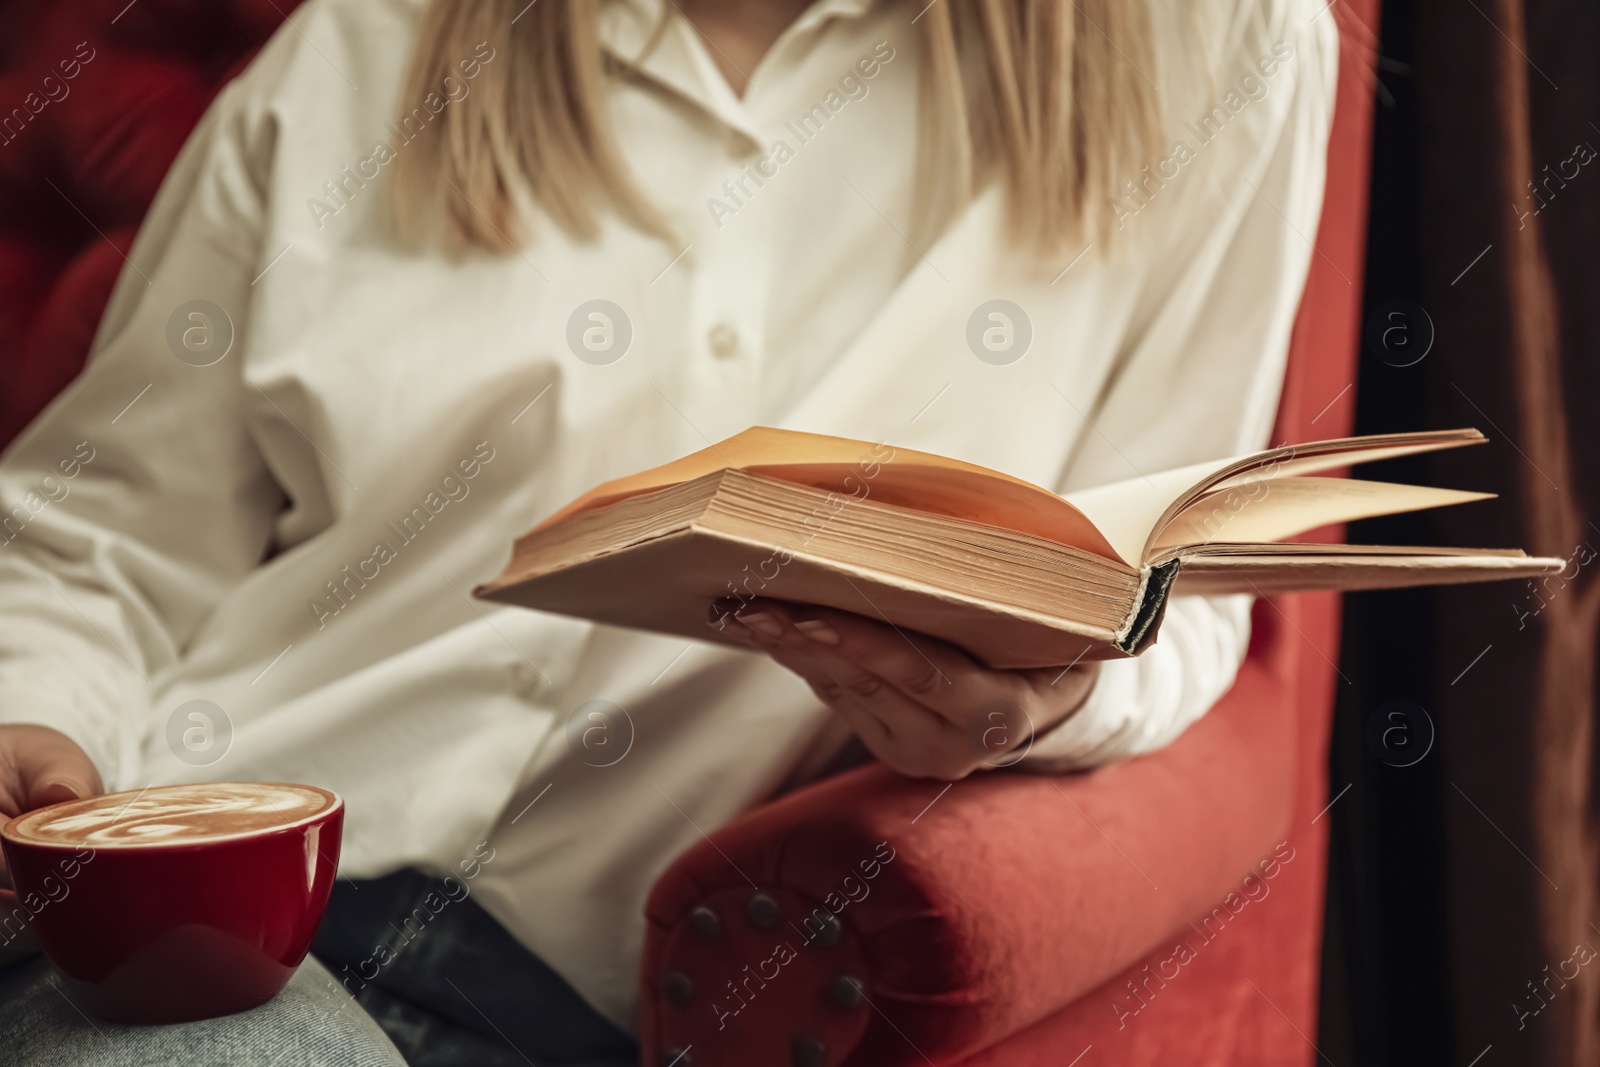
[386,314]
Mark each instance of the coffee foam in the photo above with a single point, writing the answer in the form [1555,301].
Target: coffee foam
[171,815]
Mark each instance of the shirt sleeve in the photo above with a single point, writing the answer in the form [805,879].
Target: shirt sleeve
[139,498]
[1203,378]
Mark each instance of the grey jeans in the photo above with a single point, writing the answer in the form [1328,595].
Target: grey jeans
[312,1023]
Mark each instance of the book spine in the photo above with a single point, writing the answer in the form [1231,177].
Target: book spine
[1150,604]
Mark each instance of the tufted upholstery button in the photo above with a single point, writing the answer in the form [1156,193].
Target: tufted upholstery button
[677,1057]
[809,1051]
[815,1011]
[762,911]
[846,991]
[705,922]
[678,988]
[829,932]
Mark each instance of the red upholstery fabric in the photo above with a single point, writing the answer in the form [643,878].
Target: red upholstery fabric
[96,99]
[997,924]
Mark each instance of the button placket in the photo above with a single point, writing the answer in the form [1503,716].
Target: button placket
[729,300]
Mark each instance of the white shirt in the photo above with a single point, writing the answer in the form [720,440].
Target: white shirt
[178,532]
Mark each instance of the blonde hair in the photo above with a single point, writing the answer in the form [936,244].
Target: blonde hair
[1053,99]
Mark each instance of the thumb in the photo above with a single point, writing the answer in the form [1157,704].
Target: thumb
[58,790]
[59,777]
[40,766]
[47,767]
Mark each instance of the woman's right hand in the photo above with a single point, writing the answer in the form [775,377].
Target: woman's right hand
[40,766]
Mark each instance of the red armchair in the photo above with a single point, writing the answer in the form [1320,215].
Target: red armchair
[1165,910]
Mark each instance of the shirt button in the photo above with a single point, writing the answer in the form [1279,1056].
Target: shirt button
[723,340]
[525,679]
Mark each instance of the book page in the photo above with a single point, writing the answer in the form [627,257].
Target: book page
[1126,512]
[1117,521]
[1277,508]
[899,477]
[1298,463]
[1131,513]
[1272,569]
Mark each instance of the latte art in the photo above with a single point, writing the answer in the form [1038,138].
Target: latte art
[172,815]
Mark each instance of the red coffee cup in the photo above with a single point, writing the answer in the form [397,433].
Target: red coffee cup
[178,902]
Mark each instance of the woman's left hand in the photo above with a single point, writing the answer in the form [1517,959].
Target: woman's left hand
[919,704]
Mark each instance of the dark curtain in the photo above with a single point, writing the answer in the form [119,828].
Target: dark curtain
[1463,926]
[1509,165]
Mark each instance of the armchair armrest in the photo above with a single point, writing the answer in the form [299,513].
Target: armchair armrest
[878,920]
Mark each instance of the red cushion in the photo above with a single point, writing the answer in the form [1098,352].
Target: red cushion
[80,165]
[61,334]
[27,274]
[117,142]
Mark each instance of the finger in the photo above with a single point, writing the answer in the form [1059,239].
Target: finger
[999,722]
[754,623]
[828,677]
[1070,686]
[873,731]
[867,726]
[907,736]
[40,766]
[980,714]
[932,672]
[942,677]
[57,778]
[845,684]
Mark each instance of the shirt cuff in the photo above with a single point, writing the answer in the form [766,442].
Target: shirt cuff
[1140,705]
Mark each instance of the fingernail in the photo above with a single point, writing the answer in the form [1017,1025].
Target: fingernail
[818,631]
[720,611]
[761,623]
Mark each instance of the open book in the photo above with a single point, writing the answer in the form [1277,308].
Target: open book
[1013,573]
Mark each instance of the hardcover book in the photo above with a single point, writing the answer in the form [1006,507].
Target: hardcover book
[1013,573]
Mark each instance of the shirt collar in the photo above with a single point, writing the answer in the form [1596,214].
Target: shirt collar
[823,10]
[674,57]
[626,25]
